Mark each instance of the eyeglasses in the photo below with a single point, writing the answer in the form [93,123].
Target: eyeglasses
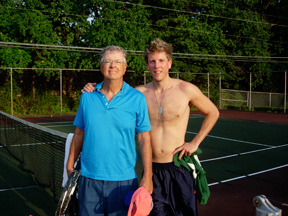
[109,61]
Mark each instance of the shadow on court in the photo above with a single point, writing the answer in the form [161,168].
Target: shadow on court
[19,192]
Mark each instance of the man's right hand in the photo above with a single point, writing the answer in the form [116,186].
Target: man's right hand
[89,87]
[69,172]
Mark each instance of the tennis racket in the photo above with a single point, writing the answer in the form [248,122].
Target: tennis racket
[69,189]
[67,192]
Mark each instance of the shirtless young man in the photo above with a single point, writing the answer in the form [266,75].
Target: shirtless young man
[169,102]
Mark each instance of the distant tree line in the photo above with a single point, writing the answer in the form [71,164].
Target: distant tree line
[216,36]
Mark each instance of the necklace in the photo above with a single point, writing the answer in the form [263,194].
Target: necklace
[160,110]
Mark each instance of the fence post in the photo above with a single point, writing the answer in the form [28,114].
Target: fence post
[61,91]
[11,90]
[208,85]
[220,105]
[285,93]
[250,94]
[270,99]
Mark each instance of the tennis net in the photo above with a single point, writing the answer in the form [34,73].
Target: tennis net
[41,150]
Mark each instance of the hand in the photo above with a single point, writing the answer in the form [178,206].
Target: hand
[147,183]
[89,87]
[186,149]
[69,172]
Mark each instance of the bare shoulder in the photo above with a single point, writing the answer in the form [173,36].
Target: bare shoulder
[187,88]
[197,98]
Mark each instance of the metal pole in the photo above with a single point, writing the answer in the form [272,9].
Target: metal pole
[250,105]
[270,99]
[220,105]
[208,85]
[11,90]
[285,93]
[61,92]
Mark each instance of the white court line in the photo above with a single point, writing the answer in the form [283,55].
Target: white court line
[233,140]
[243,153]
[18,188]
[244,176]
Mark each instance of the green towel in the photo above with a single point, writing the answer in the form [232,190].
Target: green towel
[201,185]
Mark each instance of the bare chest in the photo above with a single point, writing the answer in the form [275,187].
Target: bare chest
[167,107]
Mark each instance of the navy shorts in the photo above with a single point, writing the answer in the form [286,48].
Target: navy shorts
[98,198]
[173,191]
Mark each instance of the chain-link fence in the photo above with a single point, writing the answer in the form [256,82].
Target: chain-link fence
[254,100]
[36,91]
[46,91]
[242,99]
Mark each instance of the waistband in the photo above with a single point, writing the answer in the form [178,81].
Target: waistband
[163,165]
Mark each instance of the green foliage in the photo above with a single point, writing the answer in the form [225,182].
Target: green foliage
[203,29]
[14,57]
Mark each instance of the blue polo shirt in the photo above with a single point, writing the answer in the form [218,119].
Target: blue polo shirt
[109,151]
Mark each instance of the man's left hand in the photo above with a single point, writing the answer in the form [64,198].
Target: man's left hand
[186,149]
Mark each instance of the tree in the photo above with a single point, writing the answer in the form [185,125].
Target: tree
[233,38]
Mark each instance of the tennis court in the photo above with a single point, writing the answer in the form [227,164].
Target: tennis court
[234,151]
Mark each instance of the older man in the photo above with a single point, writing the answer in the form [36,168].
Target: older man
[106,123]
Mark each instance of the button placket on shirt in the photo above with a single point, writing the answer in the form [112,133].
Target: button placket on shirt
[105,101]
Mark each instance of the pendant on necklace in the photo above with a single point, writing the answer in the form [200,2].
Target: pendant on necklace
[160,110]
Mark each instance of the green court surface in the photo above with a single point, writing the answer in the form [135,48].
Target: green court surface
[233,149]
[19,192]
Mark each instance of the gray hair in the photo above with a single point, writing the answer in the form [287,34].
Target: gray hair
[113,49]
